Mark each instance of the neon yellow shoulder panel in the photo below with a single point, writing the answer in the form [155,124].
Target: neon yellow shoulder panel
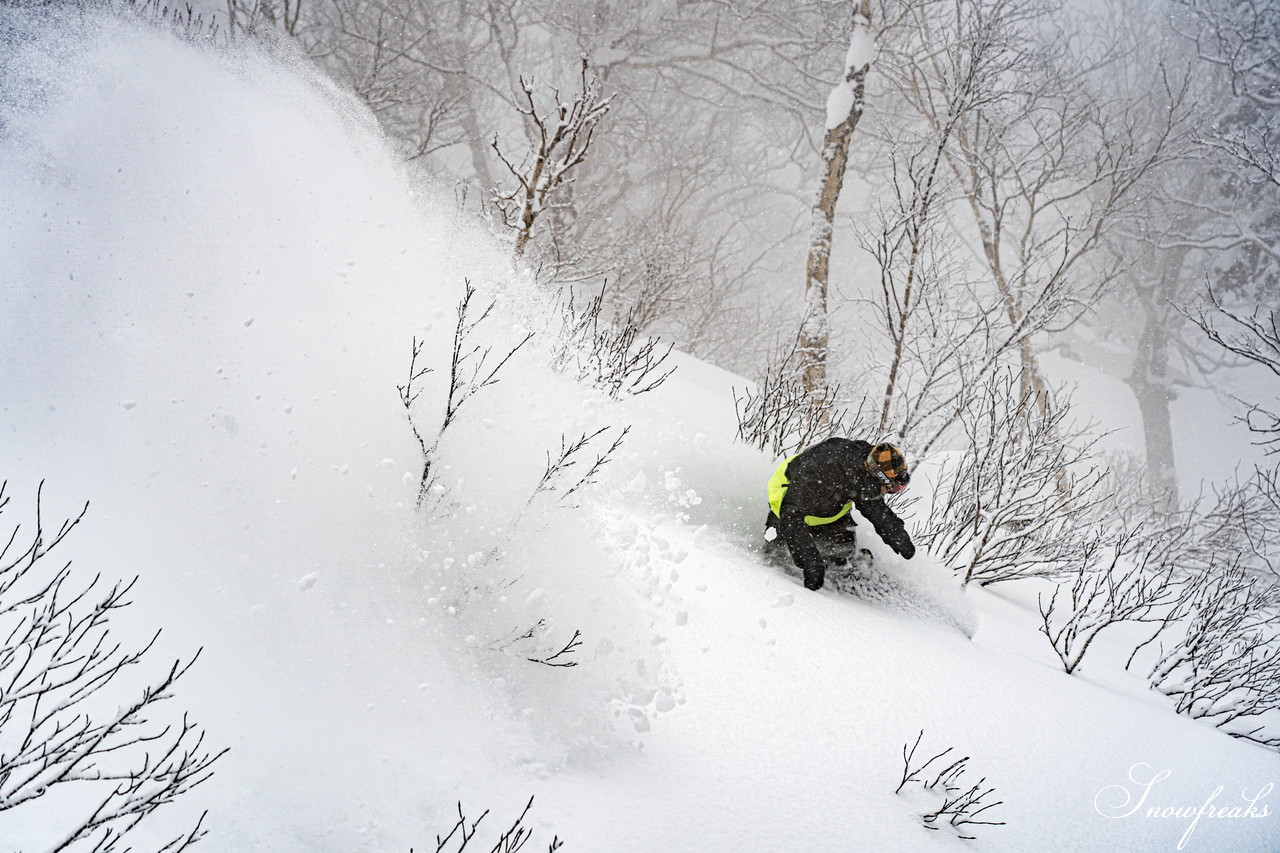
[778,488]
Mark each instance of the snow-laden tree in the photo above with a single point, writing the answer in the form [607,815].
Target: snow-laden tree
[1209,213]
[1046,155]
[1023,495]
[844,110]
[563,137]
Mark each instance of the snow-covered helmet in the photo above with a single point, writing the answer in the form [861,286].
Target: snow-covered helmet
[887,464]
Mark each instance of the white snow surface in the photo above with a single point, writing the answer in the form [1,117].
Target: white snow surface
[212,272]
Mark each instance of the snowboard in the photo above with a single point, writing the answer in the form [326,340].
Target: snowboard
[854,572]
[857,575]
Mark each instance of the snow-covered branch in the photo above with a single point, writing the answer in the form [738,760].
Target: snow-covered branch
[1225,667]
[470,371]
[562,139]
[1110,587]
[609,355]
[1017,502]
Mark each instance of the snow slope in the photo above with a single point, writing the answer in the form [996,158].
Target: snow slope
[212,271]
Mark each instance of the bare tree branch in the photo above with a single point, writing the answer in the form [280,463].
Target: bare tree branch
[59,671]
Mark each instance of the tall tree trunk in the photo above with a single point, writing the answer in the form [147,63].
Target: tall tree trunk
[1031,383]
[479,151]
[459,19]
[1150,380]
[844,109]
[1150,384]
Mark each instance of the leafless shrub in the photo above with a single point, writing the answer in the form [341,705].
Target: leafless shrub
[1018,501]
[1225,668]
[782,415]
[1237,520]
[563,139]
[1142,561]
[252,17]
[512,839]
[562,475]
[1240,518]
[609,355]
[962,802]
[469,373]
[561,657]
[1125,579]
[1264,536]
[557,656]
[1248,514]
[181,19]
[66,721]
[556,477]
[557,471]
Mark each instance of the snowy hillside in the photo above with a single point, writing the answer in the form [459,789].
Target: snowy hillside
[212,272]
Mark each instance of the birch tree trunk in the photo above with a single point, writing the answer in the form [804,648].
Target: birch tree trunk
[844,109]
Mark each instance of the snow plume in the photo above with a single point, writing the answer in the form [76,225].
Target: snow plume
[213,273]
[528,577]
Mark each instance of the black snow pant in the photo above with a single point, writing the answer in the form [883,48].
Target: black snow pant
[837,541]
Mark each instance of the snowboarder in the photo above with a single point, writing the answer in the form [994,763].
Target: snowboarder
[811,494]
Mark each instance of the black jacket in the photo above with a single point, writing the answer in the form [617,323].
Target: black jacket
[821,480]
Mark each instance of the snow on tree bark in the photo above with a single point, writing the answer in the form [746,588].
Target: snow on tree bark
[844,109]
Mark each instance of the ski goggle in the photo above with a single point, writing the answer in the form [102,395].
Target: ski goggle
[891,485]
